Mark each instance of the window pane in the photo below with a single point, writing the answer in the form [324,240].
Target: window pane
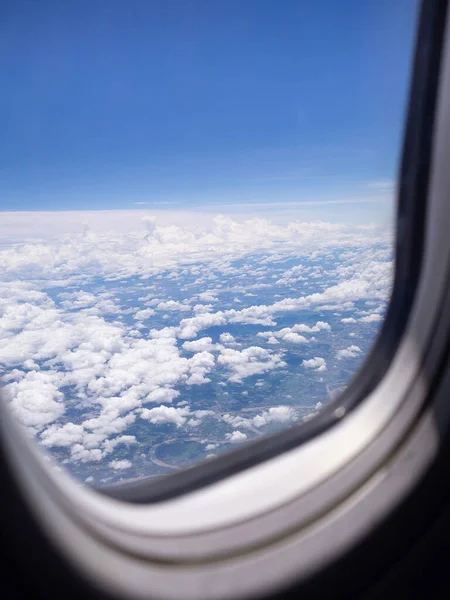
[197,223]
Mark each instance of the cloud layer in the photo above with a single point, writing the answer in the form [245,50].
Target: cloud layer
[111,336]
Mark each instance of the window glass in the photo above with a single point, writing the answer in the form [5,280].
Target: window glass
[198,211]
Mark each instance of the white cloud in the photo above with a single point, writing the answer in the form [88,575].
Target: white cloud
[349,352]
[292,334]
[202,308]
[250,361]
[81,454]
[200,414]
[200,365]
[237,421]
[236,436]
[120,464]
[173,305]
[200,345]
[86,343]
[348,320]
[35,399]
[68,434]
[294,338]
[189,328]
[292,275]
[162,394]
[110,444]
[142,315]
[166,414]
[279,414]
[226,338]
[373,318]
[317,363]
[210,447]
[208,296]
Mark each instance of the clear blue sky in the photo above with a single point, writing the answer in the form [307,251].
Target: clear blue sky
[105,104]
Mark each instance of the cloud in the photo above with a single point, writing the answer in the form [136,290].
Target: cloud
[237,421]
[250,361]
[145,247]
[35,399]
[202,308]
[292,275]
[120,464]
[208,296]
[291,334]
[173,305]
[343,294]
[294,338]
[141,315]
[278,414]
[189,328]
[166,414]
[317,363]
[162,394]
[349,352]
[235,437]
[210,447]
[226,338]
[200,365]
[200,345]
[68,434]
[373,318]
[80,362]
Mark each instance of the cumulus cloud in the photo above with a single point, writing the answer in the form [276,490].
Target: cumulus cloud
[66,435]
[173,305]
[292,275]
[292,334]
[202,308]
[189,328]
[88,348]
[317,363]
[372,318]
[210,447]
[278,414]
[226,338]
[200,365]
[236,436]
[200,345]
[293,338]
[35,399]
[141,315]
[162,394]
[166,414]
[250,361]
[237,421]
[120,464]
[208,296]
[349,352]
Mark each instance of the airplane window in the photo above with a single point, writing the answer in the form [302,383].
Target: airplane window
[198,217]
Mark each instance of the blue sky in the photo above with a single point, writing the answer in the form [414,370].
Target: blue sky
[183,103]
